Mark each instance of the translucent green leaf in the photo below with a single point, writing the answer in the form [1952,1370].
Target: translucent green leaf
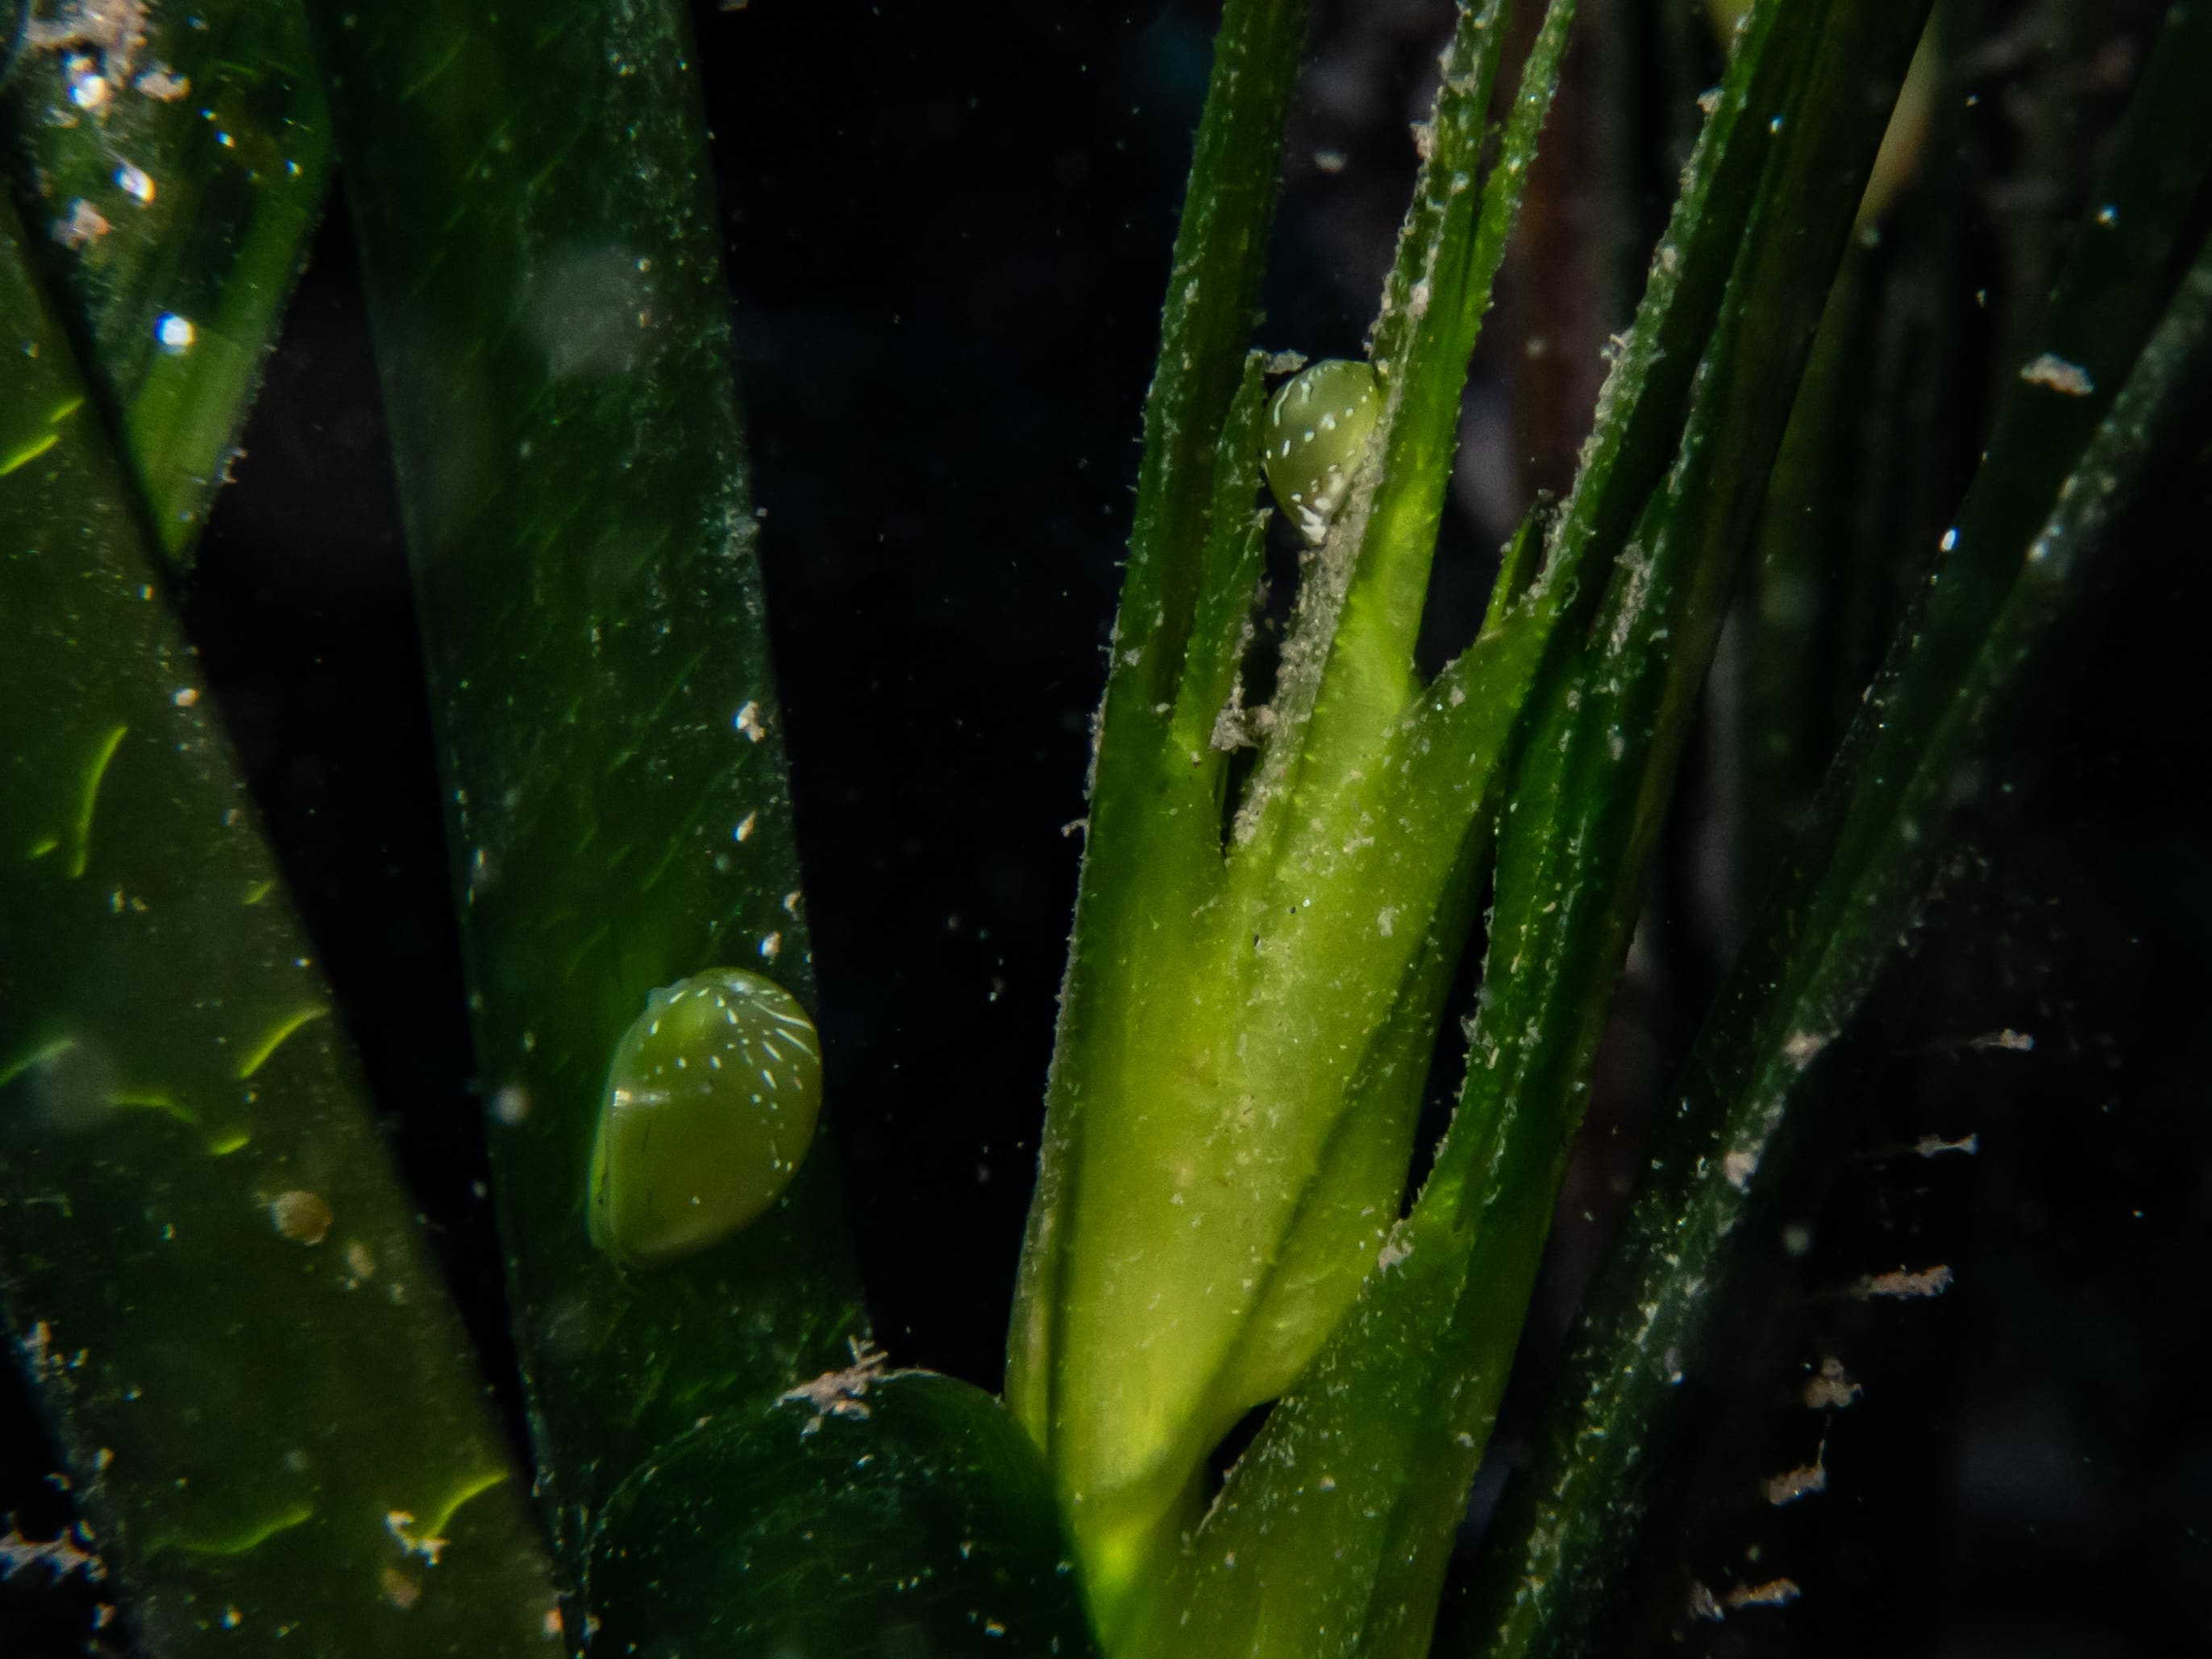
[1152,852]
[542,256]
[1332,1536]
[869,1513]
[212,1272]
[175,159]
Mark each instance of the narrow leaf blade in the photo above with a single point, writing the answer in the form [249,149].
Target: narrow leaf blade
[1773,1051]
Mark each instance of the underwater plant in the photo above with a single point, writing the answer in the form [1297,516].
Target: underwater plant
[1268,1305]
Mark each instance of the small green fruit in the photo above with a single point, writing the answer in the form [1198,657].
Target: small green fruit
[1317,431]
[710,1105]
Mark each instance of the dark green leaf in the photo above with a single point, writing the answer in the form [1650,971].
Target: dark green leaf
[900,1515]
[213,1274]
[542,255]
[175,158]
[1958,676]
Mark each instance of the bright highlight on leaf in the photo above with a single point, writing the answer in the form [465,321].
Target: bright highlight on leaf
[1317,431]
[710,1106]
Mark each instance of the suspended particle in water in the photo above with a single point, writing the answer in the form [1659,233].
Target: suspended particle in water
[2070,380]
[84,226]
[88,89]
[710,1105]
[302,1217]
[1316,433]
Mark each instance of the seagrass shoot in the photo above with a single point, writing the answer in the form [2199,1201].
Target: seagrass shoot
[1310,815]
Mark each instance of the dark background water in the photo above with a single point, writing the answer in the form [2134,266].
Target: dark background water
[947,234]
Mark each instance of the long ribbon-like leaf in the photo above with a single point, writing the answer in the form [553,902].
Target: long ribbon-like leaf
[176,159]
[212,1272]
[541,249]
[1152,850]
[1958,670]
